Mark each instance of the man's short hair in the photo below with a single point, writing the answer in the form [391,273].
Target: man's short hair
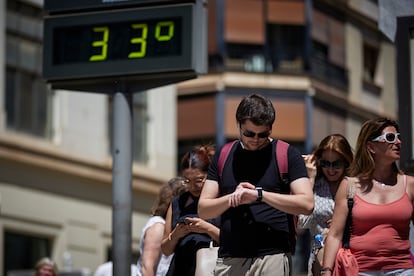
[257,109]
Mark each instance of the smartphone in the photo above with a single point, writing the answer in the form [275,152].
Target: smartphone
[183,220]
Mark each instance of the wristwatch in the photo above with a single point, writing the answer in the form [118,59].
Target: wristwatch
[259,194]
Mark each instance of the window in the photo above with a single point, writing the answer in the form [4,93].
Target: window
[245,57]
[323,69]
[27,97]
[23,251]
[370,62]
[286,44]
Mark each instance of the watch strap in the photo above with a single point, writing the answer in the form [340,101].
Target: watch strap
[259,194]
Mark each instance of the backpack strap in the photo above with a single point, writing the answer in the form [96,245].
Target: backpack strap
[224,153]
[282,162]
[350,192]
[283,167]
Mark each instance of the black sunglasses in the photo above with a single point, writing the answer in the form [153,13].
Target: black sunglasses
[252,134]
[337,164]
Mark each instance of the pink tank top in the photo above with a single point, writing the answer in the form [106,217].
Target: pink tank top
[380,234]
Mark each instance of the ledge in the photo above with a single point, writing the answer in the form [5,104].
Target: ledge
[36,153]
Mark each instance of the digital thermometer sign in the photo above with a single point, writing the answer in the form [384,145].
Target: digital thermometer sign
[149,46]
[129,40]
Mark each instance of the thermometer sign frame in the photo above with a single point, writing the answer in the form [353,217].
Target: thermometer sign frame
[124,43]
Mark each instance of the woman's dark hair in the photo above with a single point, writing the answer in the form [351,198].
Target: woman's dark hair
[198,158]
[257,109]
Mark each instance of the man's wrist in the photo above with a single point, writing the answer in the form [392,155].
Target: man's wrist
[259,194]
[326,269]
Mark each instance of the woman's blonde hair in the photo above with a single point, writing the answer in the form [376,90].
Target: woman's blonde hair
[174,187]
[46,261]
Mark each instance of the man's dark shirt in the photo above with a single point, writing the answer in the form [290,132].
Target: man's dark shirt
[256,229]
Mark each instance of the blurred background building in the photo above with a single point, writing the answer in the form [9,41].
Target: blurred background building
[324,63]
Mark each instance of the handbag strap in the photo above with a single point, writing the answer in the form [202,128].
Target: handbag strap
[350,196]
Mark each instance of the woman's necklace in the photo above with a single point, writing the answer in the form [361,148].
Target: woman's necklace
[382,184]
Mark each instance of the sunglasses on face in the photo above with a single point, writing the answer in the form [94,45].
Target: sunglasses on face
[389,137]
[337,164]
[251,134]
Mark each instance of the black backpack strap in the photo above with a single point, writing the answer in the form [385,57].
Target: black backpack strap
[350,201]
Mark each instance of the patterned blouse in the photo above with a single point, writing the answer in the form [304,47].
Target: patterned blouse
[317,221]
[322,212]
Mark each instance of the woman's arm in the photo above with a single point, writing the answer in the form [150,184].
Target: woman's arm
[198,225]
[336,231]
[410,191]
[151,251]
[171,238]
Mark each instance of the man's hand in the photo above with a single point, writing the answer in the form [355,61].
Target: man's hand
[245,193]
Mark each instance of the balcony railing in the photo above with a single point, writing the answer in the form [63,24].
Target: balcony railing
[329,72]
[319,68]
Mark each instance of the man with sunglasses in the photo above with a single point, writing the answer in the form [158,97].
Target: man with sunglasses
[251,198]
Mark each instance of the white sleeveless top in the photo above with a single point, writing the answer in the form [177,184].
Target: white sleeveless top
[164,262]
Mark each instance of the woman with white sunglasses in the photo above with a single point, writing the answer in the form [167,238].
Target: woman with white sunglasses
[382,209]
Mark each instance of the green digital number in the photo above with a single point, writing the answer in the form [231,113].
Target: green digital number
[142,40]
[103,44]
[160,26]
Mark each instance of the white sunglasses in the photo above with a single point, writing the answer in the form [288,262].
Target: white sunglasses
[389,137]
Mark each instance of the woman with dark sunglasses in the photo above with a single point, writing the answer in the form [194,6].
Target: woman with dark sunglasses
[327,166]
[382,209]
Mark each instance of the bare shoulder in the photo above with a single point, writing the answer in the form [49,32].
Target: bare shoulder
[410,180]
[341,194]
[410,186]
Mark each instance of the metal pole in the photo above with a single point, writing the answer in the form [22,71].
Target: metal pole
[309,113]
[122,183]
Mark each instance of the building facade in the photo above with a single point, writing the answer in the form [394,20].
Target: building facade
[56,158]
[324,64]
